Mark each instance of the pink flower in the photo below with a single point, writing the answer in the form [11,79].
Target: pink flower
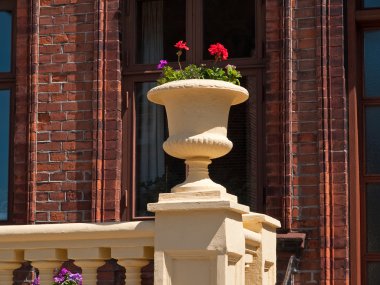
[220,52]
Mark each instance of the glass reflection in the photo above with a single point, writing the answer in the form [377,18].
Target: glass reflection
[5,96]
[156,172]
[371,3]
[372,139]
[160,24]
[232,170]
[371,63]
[5,41]
[373,222]
[236,33]
[373,273]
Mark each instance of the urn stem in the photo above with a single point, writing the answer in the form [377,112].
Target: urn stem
[198,179]
[197,168]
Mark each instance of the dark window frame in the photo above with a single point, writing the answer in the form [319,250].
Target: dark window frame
[8,82]
[133,72]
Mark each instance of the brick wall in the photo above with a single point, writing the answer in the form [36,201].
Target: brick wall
[64,91]
[73,164]
[76,130]
[306,133]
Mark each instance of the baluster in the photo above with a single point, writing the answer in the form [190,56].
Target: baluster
[46,270]
[6,271]
[133,270]
[46,260]
[11,260]
[89,259]
[133,259]
[89,270]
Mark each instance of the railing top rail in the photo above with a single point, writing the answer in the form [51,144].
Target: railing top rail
[252,238]
[255,221]
[76,231]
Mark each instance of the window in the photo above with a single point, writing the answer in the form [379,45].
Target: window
[151,29]
[371,4]
[7,85]
[370,145]
[364,86]
[4,152]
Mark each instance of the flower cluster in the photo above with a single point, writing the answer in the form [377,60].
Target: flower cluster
[65,277]
[220,53]
[62,277]
[182,45]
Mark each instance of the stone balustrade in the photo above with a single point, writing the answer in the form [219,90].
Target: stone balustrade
[135,244]
[90,245]
[260,248]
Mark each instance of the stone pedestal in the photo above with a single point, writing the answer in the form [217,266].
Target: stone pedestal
[199,239]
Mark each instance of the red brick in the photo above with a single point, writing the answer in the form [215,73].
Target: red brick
[62,38]
[57,216]
[47,206]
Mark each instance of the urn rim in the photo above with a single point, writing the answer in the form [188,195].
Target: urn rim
[239,93]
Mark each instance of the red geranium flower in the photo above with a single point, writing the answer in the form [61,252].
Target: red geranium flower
[182,45]
[219,51]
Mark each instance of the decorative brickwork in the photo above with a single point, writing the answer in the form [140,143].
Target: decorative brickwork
[63,51]
[306,133]
[333,145]
[75,123]
[107,133]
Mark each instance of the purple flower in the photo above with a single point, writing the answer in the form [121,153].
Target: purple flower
[64,271]
[162,64]
[59,279]
[77,277]
[36,281]
[65,275]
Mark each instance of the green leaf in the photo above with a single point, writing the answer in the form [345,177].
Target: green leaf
[192,71]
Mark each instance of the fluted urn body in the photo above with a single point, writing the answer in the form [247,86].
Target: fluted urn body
[197,112]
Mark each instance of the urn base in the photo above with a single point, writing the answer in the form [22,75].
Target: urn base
[197,178]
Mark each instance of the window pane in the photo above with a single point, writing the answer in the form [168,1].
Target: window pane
[371,63]
[5,40]
[160,24]
[372,139]
[373,221]
[155,172]
[231,24]
[371,3]
[373,273]
[231,170]
[5,97]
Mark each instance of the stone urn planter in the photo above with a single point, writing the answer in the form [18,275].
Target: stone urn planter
[197,112]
